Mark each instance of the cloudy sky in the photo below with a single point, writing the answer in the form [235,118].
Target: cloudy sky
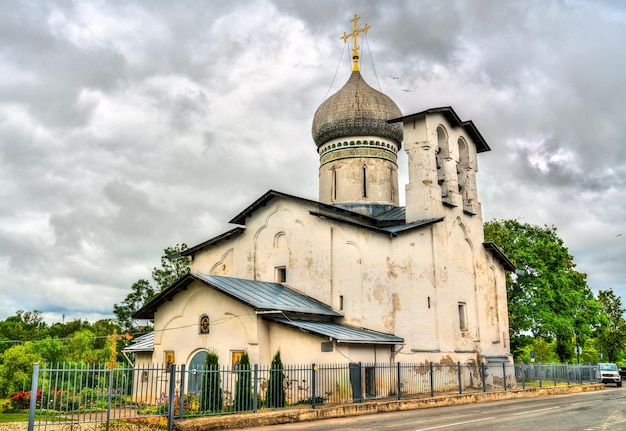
[130,126]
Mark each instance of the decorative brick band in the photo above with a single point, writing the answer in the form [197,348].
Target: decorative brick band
[358,149]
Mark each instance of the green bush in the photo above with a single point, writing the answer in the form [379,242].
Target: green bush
[275,396]
[243,389]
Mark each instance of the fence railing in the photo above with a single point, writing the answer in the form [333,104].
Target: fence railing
[158,395]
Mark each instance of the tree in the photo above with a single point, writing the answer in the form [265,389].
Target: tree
[611,335]
[211,391]
[141,292]
[275,396]
[16,368]
[546,296]
[173,266]
[243,390]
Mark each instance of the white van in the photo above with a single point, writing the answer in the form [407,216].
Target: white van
[608,373]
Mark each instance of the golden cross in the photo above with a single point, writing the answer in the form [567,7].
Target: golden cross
[113,338]
[355,36]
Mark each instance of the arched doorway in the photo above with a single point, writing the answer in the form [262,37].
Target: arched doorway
[194,381]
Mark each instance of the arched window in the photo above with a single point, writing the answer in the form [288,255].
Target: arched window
[333,186]
[443,152]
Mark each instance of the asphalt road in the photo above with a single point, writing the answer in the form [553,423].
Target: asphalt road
[591,411]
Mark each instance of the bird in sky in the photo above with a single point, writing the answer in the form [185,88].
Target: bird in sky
[393,77]
[619,234]
[407,90]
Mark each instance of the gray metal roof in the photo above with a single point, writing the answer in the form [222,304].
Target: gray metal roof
[260,295]
[144,343]
[342,333]
[267,296]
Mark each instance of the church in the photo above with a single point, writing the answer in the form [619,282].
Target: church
[355,276]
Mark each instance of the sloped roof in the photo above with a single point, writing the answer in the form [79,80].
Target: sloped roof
[143,343]
[455,121]
[260,295]
[341,333]
[500,256]
[385,219]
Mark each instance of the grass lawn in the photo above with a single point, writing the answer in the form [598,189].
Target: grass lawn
[13,417]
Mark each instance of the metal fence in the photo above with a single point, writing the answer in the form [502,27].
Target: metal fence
[155,396]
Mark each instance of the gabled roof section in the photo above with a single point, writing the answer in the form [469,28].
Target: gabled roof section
[497,253]
[240,218]
[260,295]
[385,219]
[143,343]
[341,333]
[455,121]
[226,235]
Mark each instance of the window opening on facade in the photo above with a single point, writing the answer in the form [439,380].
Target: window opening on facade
[462,316]
[364,181]
[341,302]
[333,187]
[281,274]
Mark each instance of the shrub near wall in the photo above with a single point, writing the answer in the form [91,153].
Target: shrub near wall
[211,393]
[275,389]
[243,390]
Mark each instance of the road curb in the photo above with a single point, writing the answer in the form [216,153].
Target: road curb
[303,414]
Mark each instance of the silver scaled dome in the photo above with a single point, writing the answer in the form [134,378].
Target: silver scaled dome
[356,110]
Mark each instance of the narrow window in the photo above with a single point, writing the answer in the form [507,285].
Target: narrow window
[341,302]
[281,274]
[364,181]
[333,191]
[462,316]
[204,324]
[429,302]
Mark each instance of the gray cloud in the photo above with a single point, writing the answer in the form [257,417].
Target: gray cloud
[126,128]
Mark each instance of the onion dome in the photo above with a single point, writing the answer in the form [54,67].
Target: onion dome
[356,110]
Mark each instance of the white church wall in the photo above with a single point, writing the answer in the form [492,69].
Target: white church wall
[233,326]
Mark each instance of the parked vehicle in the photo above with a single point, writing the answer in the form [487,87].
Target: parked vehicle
[622,372]
[608,373]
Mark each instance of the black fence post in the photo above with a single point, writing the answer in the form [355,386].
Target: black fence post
[523,369]
[483,376]
[458,373]
[432,380]
[313,386]
[399,382]
[172,398]
[255,399]
[540,374]
[33,397]
[504,374]
[181,405]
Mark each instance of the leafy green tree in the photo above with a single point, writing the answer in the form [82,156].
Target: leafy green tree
[243,390]
[546,296]
[611,335]
[275,396]
[24,326]
[211,392]
[173,266]
[16,368]
[141,293]
[50,350]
